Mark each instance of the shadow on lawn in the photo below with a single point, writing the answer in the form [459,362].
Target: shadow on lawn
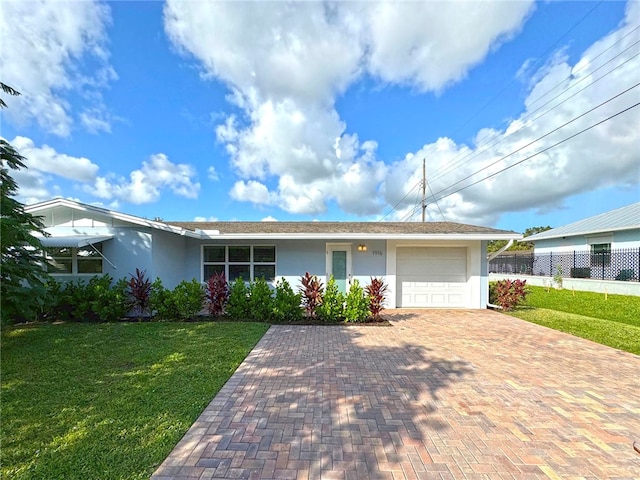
[321,399]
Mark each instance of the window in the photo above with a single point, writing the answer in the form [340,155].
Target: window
[600,254]
[67,260]
[236,261]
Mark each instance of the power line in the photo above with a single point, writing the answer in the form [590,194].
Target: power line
[541,137]
[435,201]
[508,84]
[540,152]
[473,154]
[400,201]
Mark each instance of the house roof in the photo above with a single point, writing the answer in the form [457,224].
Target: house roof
[36,208]
[344,229]
[625,218]
[294,230]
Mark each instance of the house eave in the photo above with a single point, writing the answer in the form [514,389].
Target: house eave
[360,236]
[584,233]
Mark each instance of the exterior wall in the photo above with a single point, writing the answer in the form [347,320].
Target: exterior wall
[621,239]
[168,259]
[626,239]
[476,265]
[295,257]
[580,284]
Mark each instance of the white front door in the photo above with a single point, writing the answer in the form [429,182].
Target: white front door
[339,264]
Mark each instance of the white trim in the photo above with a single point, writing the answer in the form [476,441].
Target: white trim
[599,239]
[63,202]
[73,241]
[363,236]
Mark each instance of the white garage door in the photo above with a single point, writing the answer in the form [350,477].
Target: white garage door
[431,277]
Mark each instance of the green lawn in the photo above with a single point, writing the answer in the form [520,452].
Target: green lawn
[109,401]
[612,321]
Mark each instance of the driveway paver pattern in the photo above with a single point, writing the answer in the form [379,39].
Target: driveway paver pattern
[441,394]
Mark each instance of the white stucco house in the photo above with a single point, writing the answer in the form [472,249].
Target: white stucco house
[433,264]
[616,229]
[605,246]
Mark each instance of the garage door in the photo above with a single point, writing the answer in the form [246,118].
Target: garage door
[431,277]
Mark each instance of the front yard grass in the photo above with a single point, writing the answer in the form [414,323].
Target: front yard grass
[109,401]
[614,321]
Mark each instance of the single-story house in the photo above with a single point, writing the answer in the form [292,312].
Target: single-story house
[432,264]
[604,246]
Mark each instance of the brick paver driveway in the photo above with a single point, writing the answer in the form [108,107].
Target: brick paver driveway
[440,394]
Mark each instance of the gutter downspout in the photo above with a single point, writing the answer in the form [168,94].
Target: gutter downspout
[491,257]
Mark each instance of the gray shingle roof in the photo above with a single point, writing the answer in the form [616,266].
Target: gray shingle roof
[625,218]
[319,228]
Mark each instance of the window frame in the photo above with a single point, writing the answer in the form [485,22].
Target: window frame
[600,256]
[227,263]
[76,259]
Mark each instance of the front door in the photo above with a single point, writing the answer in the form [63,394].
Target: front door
[339,264]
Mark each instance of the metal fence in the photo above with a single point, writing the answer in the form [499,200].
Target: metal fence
[619,264]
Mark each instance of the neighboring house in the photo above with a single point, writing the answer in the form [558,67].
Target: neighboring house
[434,264]
[602,246]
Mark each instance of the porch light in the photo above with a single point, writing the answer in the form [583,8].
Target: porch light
[362,247]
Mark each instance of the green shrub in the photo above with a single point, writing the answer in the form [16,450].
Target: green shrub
[332,307]
[286,304]
[357,304]
[238,303]
[188,298]
[109,301]
[183,303]
[161,302]
[261,301]
[98,300]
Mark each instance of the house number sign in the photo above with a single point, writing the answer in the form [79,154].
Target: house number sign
[376,253]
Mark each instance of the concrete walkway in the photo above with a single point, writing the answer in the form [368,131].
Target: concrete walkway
[440,394]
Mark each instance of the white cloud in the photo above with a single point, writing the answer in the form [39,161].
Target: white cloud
[291,149]
[44,45]
[45,169]
[269,219]
[96,119]
[604,156]
[251,191]
[420,43]
[289,146]
[205,219]
[45,159]
[212,174]
[145,184]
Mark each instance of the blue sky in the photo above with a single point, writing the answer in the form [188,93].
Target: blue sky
[310,110]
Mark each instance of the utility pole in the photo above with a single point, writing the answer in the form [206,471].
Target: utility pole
[424,186]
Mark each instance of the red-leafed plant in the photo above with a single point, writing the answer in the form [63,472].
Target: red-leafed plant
[217,293]
[140,291]
[376,291]
[311,293]
[510,293]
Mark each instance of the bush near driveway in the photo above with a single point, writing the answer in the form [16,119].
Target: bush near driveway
[89,401]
